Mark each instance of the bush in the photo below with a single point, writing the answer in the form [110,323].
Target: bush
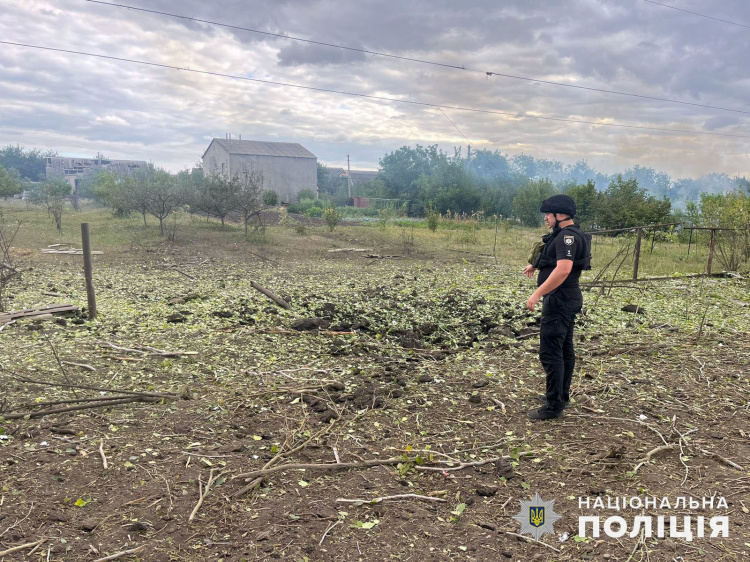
[270,198]
[314,212]
[332,217]
[433,217]
[306,194]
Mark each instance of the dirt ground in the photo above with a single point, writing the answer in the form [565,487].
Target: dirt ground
[417,370]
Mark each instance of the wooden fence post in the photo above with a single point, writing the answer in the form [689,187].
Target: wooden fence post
[88,269]
[711,251]
[637,253]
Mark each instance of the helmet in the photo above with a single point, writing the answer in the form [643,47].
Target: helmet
[559,204]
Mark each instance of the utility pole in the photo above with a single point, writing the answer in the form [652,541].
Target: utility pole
[348,176]
[468,156]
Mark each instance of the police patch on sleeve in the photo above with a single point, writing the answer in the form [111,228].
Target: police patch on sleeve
[568,240]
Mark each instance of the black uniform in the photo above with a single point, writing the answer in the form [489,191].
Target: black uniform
[559,309]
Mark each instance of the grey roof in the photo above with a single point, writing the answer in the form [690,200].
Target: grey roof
[264,148]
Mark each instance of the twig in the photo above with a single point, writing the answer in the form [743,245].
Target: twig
[722,459]
[528,539]
[363,464]
[101,452]
[81,365]
[20,547]
[336,455]
[461,466]
[81,400]
[328,530]
[6,325]
[77,408]
[396,497]
[316,466]
[57,358]
[203,490]
[17,523]
[650,454]
[121,554]
[100,389]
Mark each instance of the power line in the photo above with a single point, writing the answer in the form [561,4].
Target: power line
[373,97]
[697,14]
[490,162]
[421,61]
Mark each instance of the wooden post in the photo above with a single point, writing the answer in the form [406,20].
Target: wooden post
[637,253]
[711,251]
[690,241]
[88,269]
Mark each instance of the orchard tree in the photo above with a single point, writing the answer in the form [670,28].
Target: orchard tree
[53,194]
[162,195]
[249,195]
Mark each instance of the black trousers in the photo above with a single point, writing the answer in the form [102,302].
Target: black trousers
[556,350]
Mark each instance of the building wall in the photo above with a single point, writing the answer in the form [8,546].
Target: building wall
[285,175]
[213,159]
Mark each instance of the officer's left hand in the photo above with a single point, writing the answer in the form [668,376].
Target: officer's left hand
[532,302]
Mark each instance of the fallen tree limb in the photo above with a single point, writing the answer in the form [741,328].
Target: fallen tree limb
[318,466]
[363,464]
[278,300]
[89,406]
[396,497]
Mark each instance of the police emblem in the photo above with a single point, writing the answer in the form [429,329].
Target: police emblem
[568,240]
[537,517]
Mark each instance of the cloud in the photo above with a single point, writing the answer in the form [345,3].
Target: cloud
[77,104]
[111,120]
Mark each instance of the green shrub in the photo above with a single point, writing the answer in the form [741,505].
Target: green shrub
[270,198]
[306,194]
[332,217]
[314,212]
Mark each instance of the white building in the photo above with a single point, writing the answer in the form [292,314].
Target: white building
[287,167]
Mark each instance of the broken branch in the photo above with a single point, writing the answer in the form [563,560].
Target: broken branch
[278,300]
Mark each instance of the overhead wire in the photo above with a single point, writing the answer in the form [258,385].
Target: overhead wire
[490,162]
[697,14]
[374,97]
[416,60]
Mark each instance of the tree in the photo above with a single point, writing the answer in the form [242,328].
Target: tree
[624,204]
[529,199]
[401,169]
[30,164]
[135,191]
[586,198]
[730,211]
[10,183]
[218,196]
[248,195]
[107,189]
[163,195]
[53,194]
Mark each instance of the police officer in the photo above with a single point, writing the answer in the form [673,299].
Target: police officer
[565,254]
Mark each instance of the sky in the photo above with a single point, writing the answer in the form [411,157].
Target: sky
[79,105]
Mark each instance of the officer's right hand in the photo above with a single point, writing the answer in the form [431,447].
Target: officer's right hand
[529,271]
